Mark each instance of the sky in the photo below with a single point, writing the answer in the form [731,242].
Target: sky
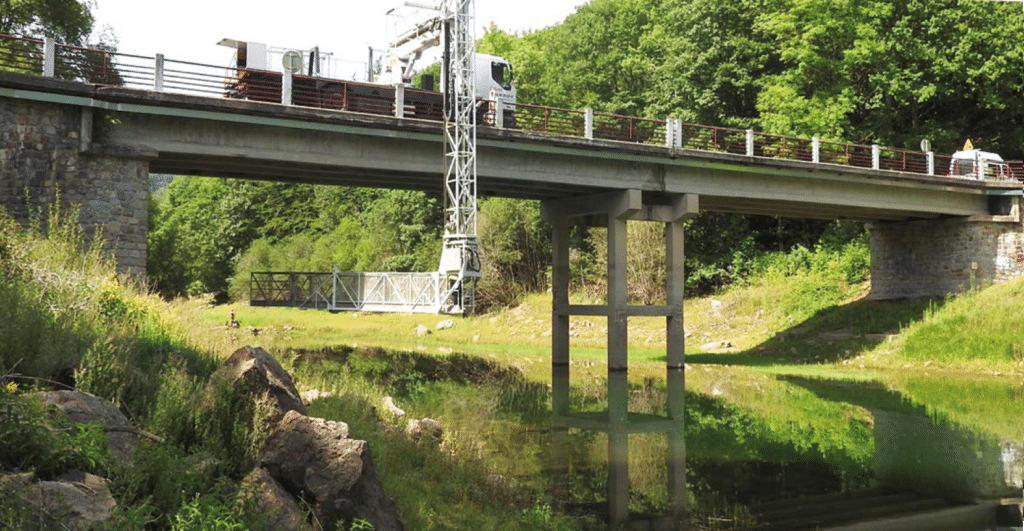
[189,30]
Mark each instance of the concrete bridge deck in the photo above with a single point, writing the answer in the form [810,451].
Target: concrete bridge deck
[191,135]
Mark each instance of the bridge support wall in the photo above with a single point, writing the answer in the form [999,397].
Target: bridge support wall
[935,258]
[46,153]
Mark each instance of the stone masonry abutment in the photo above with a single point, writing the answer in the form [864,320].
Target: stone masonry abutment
[939,257]
[46,153]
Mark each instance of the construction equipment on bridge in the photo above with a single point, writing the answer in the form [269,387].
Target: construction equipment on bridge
[978,164]
[452,289]
[313,78]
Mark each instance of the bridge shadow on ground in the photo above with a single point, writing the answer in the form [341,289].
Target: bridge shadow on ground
[830,335]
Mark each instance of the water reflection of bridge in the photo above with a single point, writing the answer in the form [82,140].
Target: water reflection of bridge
[932,474]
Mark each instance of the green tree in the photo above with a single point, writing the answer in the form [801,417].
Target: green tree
[894,72]
[714,62]
[68,21]
[515,251]
[402,232]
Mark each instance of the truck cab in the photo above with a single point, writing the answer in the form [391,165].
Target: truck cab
[494,77]
[976,164]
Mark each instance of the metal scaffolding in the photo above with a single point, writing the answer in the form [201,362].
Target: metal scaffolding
[460,262]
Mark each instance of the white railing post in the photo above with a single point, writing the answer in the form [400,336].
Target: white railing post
[750,142]
[588,123]
[286,88]
[677,133]
[815,150]
[49,57]
[876,157]
[931,163]
[399,101]
[499,110]
[499,114]
[670,132]
[158,73]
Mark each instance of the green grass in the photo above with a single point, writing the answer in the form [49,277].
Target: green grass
[981,331]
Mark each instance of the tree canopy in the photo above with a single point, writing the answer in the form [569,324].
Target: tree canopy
[68,21]
[883,71]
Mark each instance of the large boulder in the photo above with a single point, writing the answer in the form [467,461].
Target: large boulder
[84,408]
[261,374]
[76,500]
[279,508]
[316,458]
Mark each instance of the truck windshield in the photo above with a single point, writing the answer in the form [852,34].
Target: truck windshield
[502,74]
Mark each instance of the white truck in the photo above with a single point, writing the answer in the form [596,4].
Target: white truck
[316,82]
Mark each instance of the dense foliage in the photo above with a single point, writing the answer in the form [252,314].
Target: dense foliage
[885,72]
[69,21]
[207,235]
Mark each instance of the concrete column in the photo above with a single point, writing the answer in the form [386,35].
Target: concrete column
[815,150]
[876,157]
[618,332]
[750,142]
[85,130]
[588,123]
[615,209]
[931,163]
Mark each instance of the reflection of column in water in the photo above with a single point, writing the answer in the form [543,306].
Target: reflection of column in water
[1013,463]
[618,448]
[560,444]
[676,451]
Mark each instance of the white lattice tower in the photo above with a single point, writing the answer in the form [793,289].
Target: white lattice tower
[460,263]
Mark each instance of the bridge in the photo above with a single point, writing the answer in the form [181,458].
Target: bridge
[95,124]
[131,115]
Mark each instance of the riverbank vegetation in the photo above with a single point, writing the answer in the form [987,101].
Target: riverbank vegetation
[69,321]
[772,302]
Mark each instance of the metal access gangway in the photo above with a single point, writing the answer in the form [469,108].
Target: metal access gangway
[351,291]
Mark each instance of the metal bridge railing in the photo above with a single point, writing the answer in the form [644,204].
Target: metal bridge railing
[155,73]
[338,291]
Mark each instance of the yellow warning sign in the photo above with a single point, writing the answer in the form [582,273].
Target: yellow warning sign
[968,145]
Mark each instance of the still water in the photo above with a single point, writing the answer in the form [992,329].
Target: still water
[760,451]
[813,454]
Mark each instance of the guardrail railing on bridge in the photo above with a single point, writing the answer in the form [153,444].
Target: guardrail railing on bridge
[348,291]
[158,73]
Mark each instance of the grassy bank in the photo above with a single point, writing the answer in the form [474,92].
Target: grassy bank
[67,319]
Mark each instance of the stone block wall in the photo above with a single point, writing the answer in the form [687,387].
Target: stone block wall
[40,154]
[938,257]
